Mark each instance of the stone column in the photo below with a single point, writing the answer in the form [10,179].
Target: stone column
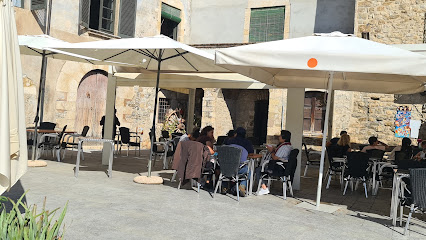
[294,124]
[191,106]
[109,117]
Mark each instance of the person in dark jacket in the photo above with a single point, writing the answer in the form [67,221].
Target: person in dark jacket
[116,123]
[241,140]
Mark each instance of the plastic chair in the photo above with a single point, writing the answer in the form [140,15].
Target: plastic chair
[280,171]
[308,160]
[51,141]
[336,164]
[418,193]
[66,144]
[357,170]
[229,158]
[126,137]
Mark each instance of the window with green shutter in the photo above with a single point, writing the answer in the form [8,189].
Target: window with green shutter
[127,23]
[267,24]
[170,19]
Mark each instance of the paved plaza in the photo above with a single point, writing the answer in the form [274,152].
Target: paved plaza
[117,208]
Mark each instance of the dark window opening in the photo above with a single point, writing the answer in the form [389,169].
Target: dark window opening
[102,15]
[314,112]
[169,28]
[365,35]
[163,107]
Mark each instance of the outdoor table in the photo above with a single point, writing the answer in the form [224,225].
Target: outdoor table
[77,164]
[252,158]
[396,188]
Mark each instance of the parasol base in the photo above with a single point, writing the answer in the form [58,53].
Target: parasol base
[148,180]
[37,163]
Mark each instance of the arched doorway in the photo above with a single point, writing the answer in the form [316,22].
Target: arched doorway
[314,113]
[91,98]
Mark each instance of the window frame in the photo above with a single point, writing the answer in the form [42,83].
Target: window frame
[101,11]
[162,109]
[253,39]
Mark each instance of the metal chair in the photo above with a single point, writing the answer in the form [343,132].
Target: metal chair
[357,170]
[229,158]
[67,144]
[51,141]
[418,193]
[280,171]
[308,160]
[336,164]
[125,138]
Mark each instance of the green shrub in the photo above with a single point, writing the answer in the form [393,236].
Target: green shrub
[29,224]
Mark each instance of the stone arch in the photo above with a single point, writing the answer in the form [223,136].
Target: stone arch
[90,103]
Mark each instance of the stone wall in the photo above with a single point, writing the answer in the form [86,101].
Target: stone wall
[276,113]
[391,21]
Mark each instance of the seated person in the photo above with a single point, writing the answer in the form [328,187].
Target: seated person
[405,147]
[345,144]
[192,136]
[374,144]
[333,141]
[207,137]
[280,153]
[230,135]
[241,140]
[422,154]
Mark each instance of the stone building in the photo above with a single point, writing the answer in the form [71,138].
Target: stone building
[75,92]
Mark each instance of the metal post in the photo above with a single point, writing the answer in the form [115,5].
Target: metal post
[160,53]
[324,138]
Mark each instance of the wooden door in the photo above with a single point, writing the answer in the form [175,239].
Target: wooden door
[314,112]
[91,99]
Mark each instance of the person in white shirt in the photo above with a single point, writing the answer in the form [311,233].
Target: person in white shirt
[421,155]
[280,153]
[374,144]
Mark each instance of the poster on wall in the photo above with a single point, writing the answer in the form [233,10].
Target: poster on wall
[402,122]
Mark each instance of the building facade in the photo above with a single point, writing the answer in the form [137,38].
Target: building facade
[76,92]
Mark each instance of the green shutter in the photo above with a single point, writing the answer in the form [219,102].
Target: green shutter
[267,24]
[38,4]
[85,13]
[170,13]
[127,24]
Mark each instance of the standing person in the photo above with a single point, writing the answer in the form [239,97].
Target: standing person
[374,144]
[405,147]
[241,140]
[116,123]
[280,153]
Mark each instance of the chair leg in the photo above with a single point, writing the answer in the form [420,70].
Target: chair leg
[306,170]
[155,159]
[218,184]
[290,188]
[365,188]
[328,182]
[58,154]
[409,218]
[174,176]
[285,188]
[63,154]
[238,191]
[346,186]
[259,185]
[401,212]
[269,183]
[127,150]
[180,182]
[82,154]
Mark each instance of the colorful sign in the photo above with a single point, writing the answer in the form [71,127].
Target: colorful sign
[402,122]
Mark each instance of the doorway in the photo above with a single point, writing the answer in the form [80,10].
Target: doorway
[314,113]
[91,99]
[260,121]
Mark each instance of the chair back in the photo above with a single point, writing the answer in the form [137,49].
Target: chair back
[357,164]
[174,135]
[61,134]
[418,187]
[244,153]
[376,153]
[292,164]
[221,140]
[402,155]
[125,135]
[85,131]
[229,160]
[165,134]
[47,125]
[416,150]
[306,151]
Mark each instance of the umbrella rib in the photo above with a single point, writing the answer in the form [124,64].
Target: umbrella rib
[181,54]
[153,56]
[143,53]
[117,54]
[34,50]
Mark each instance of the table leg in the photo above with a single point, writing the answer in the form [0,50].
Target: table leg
[110,161]
[77,163]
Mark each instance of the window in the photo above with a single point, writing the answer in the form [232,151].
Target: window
[170,19]
[100,15]
[267,24]
[35,4]
[163,107]
[18,3]
[314,112]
